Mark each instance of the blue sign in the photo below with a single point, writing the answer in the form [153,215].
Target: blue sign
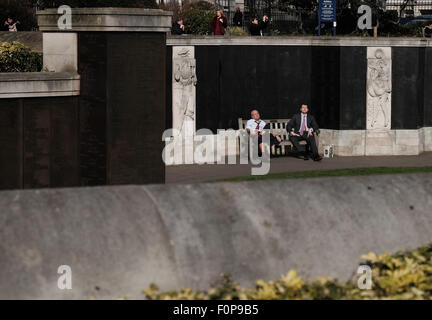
[327,13]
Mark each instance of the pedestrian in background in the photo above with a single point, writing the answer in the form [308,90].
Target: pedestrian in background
[11,25]
[238,18]
[264,24]
[427,31]
[258,27]
[219,23]
[178,27]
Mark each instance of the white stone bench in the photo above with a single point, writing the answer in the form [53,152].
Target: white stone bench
[278,128]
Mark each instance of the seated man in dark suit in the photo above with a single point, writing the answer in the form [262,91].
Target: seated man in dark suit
[302,127]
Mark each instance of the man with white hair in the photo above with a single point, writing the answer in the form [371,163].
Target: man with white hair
[256,126]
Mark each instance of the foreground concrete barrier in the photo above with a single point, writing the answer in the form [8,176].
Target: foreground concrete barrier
[118,240]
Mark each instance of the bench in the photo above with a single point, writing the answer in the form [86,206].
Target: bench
[278,127]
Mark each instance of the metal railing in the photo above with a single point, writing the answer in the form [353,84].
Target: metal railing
[280,20]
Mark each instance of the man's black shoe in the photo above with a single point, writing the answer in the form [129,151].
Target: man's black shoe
[306,157]
[317,158]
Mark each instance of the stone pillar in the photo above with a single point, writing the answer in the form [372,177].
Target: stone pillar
[60,52]
[121,60]
[379,139]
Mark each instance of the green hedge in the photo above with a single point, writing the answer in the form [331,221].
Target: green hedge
[16,57]
[198,21]
[403,275]
[99,3]
[196,15]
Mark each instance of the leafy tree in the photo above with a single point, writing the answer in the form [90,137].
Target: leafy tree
[305,9]
[387,22]
[347,15]
[196,15]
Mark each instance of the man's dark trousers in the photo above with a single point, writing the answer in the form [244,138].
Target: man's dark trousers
[309,140]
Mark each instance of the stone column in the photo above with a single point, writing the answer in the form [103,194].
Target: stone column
[379,139]
[121,60]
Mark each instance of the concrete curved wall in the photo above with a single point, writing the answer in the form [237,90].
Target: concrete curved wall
[118,240]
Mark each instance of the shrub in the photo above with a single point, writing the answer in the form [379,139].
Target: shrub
[98,3]
[198,21]
[403,275]
[16,57]
[196,15]
[237,31]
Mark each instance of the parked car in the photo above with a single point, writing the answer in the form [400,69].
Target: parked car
[414,21]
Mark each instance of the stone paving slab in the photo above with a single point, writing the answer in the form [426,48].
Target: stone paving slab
[206,173]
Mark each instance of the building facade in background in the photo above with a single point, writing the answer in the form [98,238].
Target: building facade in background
[410,7]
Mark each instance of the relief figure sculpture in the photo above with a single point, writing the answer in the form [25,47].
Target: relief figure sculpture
[186,80]
[379,91]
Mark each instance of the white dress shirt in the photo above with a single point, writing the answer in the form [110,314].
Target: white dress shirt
[252,125]
[304,119]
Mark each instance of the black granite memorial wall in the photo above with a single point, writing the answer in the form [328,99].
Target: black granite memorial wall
[110,134]
[276,79]
[168,88]
[352,90]
[105,130]
[408,71]
[39,142]
[427,100]
[122,107]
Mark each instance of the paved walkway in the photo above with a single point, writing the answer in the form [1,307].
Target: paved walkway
[206,173]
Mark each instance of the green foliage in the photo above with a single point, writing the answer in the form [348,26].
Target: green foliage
[200,4]
[404,275]
[237,31]
[19,10]
[174,7]
[99,3]
[198,21]
[347,16]
[16,57]
[196,15]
